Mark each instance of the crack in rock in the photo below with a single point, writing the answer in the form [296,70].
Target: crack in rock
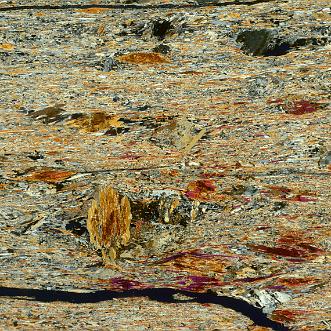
[164,295]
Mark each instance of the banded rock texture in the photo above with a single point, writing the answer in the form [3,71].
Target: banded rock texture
[212,118]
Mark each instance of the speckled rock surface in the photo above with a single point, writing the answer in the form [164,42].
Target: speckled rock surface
[224,105]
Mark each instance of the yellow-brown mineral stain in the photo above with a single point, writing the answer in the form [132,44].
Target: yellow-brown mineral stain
[96,122]
[108,223]
[143,58]
[93,10]
[49,176]
[7,47]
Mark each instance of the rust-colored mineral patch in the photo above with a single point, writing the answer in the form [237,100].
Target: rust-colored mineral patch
[287,315]
[143,58]
[197,283]
[194,262]
[297,251]
[201,189]
[301,107]
[296,281]
[49,176]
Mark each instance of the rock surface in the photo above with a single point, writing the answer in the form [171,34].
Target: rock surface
[223,104]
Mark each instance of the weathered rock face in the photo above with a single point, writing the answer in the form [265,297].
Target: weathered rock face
[164,157]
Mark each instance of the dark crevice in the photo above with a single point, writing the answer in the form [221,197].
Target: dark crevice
[134,6]
[165,295]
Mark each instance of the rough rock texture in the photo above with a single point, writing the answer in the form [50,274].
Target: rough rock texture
[223,106]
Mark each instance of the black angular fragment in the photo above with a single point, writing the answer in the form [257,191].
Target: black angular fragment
[262,43]
[160,28]
[162,48]
[36,156]
[116,131]
[76,227]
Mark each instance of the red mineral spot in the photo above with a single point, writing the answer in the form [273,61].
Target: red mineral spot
[279,189]
[287,315]
[310,248]
[301,107]
[198,283]
[125,284]
[130,156]
[280,251]
[122,284]
[297,281]
[200,189]
[290,247]
[301,198]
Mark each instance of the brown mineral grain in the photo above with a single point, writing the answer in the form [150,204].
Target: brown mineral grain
[108,222]
[143,58]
